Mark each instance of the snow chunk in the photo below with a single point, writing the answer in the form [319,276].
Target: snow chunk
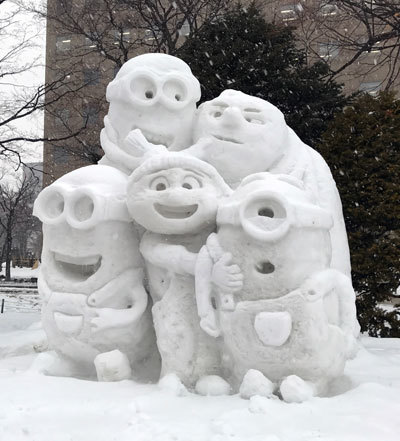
[112,366]
[296,390]
[172,384]
[255,383]
[212,385]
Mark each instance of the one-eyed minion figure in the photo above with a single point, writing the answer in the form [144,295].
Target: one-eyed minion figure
[293,315]
[91,277]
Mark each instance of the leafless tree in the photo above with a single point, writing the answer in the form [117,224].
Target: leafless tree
[16,199]
[19,101]
[366,32]
[91,39]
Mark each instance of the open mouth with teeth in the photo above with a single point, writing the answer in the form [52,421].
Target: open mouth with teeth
[226,139]
[75,268]
[156,138]
[182,212]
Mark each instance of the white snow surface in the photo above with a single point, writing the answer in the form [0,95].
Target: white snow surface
[364,404]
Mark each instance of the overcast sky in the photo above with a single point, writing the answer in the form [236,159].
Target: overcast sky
[24,27]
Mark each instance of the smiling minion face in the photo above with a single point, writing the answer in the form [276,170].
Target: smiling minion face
[88,236]
[175,194]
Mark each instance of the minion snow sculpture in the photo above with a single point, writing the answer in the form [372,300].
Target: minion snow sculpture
[175,198]
[294,315]
[152,104]
[91,280]
[240,135]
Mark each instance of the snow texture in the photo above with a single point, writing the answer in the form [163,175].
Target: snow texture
[212,385]
[362,405]
[211,238]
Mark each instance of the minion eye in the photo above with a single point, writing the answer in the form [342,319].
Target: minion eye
[159,184]
[191,183]
[83,208]
[263,216]
[175,90]
[54,205]
[143,88]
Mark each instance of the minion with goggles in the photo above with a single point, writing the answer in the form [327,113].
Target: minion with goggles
[294,315]
[152,108]
[91,279]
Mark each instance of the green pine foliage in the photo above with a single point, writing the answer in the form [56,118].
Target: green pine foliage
[242,51]
[362,147]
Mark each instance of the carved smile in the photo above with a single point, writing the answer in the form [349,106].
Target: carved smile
[156,138]
[182,212]
[77,268]
[226,139]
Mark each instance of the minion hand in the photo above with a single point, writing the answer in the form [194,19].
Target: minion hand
[209,324]
[227,277]
[137,145]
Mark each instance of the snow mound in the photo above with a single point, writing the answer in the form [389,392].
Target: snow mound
[296,390]
[212,385]
[112,366]
[171,384]
[256,383]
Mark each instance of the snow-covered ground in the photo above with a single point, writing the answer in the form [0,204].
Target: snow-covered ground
[20,273]
[364,406]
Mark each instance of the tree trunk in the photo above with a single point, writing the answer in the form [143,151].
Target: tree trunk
[8,252]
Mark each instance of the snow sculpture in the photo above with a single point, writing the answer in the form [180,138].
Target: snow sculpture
[244,246]
[175,198]
[294,315]
[152,102]
[91,280]
[240,135]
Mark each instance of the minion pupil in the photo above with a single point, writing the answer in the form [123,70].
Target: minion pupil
[160,186]
[149,94]
[266,212]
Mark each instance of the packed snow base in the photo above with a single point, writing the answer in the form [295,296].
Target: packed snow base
[208,247]
[363,404]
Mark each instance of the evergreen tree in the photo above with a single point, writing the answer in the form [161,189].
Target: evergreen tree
[242,51]
[362,146]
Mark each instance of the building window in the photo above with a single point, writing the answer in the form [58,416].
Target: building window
[291,12]
[123,34]
[184,31]
[90,115]
[91,40]
[61,117]
[328,9]
[91,76]
[376,48]
[63,43]
[152,34]
[327,51]
[372,88]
